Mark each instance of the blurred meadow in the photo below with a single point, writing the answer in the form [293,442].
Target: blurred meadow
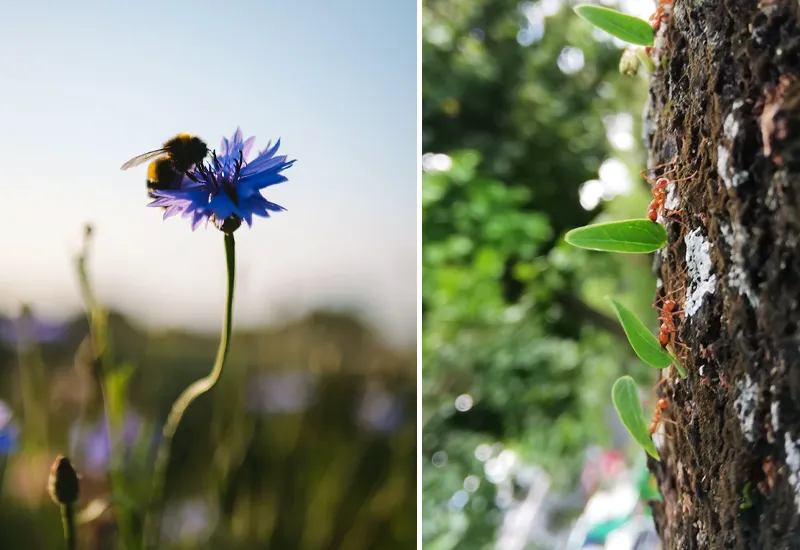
[308,441]
[529,130]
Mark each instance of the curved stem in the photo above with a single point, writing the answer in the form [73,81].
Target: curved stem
[68,522]
[152,524]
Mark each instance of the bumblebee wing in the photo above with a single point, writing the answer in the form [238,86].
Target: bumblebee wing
[136,161]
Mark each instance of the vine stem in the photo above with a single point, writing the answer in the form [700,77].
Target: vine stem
[68,522]
[152,525]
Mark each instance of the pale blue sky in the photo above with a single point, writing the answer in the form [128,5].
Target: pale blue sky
[89,84]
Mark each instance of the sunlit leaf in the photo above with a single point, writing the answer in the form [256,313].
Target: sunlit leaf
[643,342]
[634,236]
[625,27]
[625,395]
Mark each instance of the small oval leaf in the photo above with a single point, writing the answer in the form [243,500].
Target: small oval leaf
[632,236]
[625,27]
[625,396]
[643,342]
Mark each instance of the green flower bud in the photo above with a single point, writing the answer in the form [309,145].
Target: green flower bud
[629,63]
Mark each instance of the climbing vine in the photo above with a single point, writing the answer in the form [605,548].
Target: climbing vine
[639,236]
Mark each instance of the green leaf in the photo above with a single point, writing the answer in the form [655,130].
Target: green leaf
[643,342]
[625,395]
[633,236]
[116,392]
[625,27]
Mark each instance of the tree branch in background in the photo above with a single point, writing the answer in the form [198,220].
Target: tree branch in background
[574,306]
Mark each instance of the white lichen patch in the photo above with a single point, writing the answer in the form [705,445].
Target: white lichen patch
[724,169]
[745,405]
[727,234]
[723,158]
[702,536]
[659,436]
[731,125]
[792,449]
[659,43]
[771,200]
[672,197]
[738,278]
[671,203]
[730,129]
[774,418]
[702,280]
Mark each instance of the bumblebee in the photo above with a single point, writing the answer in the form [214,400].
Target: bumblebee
[174,158]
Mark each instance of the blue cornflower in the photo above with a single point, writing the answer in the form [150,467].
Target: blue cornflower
[29,329]
[93,446]
[227,189]
[9,432]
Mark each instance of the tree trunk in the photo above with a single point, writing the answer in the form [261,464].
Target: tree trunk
[726,105]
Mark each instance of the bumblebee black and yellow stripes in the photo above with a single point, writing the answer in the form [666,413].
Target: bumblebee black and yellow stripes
[174,158]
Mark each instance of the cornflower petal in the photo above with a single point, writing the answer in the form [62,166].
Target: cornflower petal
[222,206]
[227,187]
[173,210]
[257,182]
[232,147]
[268,165]
[247,146]
[197,218]
[264,156]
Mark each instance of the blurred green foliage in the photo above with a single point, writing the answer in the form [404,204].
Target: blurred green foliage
[519,348]
[308,441]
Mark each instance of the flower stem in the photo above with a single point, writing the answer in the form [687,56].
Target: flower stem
[103,360]
[68,522]
[152,525]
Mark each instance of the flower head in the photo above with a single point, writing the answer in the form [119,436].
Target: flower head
[227,190]
[28,329]
[380,410]
[9,432]
[287,392]
[93,446]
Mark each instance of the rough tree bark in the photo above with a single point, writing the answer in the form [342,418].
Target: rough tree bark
[725,103]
